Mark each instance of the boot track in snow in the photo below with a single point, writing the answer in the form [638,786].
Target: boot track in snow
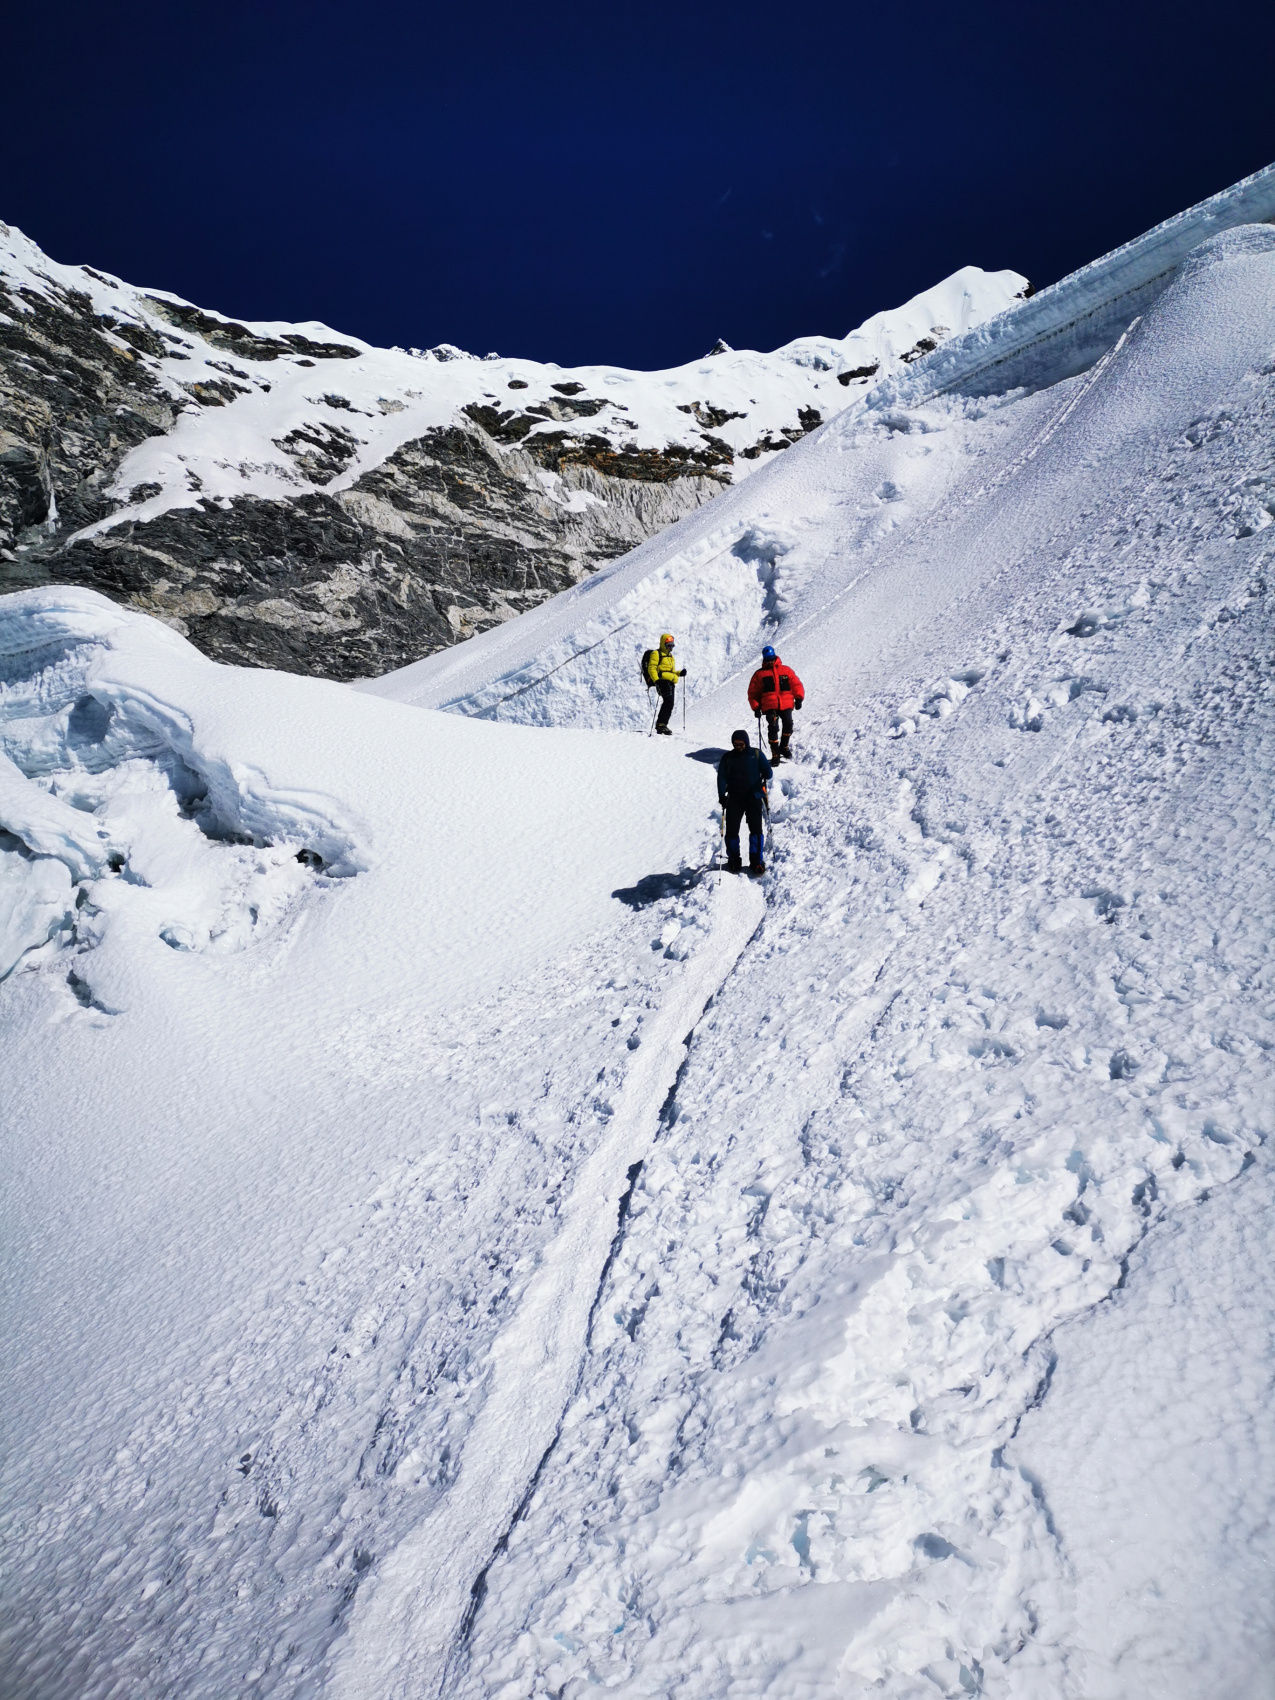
[405,1641]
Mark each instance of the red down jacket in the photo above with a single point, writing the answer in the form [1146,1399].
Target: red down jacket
[774,687]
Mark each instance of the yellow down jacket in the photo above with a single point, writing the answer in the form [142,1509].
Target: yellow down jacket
[662,666]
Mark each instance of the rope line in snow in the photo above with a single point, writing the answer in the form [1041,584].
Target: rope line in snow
[523,689]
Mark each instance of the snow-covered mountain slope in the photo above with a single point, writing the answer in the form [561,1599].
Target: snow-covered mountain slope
[462,1247]
[286,495]
[774,551]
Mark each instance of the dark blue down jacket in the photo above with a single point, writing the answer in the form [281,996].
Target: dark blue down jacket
[742,774]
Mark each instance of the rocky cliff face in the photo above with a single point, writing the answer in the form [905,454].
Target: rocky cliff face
[289,497]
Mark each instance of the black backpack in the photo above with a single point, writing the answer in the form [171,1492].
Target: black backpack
[647,656]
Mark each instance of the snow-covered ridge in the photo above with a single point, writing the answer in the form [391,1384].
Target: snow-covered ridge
[284,495]
[266,410]
[1064,328]
[574,656]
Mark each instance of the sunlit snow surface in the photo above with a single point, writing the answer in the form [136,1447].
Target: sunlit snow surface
[403,1310]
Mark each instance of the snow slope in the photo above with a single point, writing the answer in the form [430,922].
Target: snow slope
[768,558]
[1009,1014]
[1176,1374]
[462,1248]
[231,1075]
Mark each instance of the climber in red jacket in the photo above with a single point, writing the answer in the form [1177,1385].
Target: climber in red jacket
[775,690]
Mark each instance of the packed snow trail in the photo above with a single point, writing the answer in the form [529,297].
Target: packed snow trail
[1025,1042]
[407,1635]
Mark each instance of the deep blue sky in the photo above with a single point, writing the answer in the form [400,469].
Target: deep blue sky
[613,182]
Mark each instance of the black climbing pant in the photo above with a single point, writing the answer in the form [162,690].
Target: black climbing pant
[775,718]
[667,690]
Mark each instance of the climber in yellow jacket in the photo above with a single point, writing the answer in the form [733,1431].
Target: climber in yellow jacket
[661,670]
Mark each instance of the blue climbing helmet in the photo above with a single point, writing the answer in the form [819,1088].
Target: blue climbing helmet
[768,654]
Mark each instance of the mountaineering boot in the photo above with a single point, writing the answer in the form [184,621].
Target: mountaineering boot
[733,863]
[776,751]
[755,863]
[663,731]
[785,748]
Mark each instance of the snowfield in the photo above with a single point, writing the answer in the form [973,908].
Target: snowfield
[459,1244]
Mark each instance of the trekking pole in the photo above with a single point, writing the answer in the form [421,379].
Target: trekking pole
[655,712]
[683,705]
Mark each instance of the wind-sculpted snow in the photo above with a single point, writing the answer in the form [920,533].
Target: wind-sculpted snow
[1062,330]
[116,821]
[523,1274]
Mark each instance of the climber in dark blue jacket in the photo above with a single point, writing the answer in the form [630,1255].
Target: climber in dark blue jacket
[742,774]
